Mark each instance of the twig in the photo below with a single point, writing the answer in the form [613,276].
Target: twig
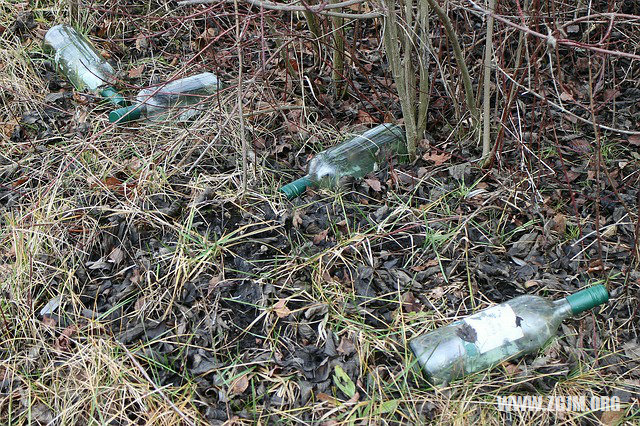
[551,40]
[457,50]
[566,111]
[293,8]
[243,137]
[486,127]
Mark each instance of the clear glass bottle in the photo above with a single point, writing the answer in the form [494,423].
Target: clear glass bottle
[513,328]
[80,62]
[355,157]
[178,100]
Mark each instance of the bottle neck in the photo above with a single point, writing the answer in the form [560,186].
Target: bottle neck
[562,309]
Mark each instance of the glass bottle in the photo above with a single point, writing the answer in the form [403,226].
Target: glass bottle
[80,62]
[355,157]
[178,100]
[519,326]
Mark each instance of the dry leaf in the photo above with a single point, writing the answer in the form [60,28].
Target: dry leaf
[634,140]
[365,118]
[297,219]
[63,340]
[438,159]
[136,72]
[612,418]
[280,308]
[560,223]
[116,256]
[48,321]
[135,276]
[321,236]
[531,283]
[346,347]
[374,184]
[239,385]
[565,96]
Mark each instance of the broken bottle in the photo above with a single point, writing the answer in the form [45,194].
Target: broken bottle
[516,327]
[355,157]
[178,100]
[78,60]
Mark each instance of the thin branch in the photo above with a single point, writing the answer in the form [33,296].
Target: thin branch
[566,111]
[457,51]
[287,7]
[551,40]
[488,53]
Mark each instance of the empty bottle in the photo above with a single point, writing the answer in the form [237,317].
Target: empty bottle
[79,61]
[355,157]
[516,327]
[178,100]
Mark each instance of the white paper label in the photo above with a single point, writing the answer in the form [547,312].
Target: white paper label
[494,327]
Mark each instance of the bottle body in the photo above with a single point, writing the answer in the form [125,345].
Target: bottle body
[79,61]
[513,328]
[178,100]
[355,157]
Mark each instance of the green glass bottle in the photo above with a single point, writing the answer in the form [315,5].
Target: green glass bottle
[355,157]
[79,61]
[178,100]
[513,328]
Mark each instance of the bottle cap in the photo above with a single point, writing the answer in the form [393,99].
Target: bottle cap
[128,113]
[588,298]
[295,188]
[113,96]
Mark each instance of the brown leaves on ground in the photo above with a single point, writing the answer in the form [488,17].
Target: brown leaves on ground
[280,308]
[437,158]
[239,385]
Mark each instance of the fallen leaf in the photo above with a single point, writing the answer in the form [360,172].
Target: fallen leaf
[365,118]
[511,368]
[297,219]
[239,385]
[438,159]
[531,283]
[634,140]
[135,276]
[136,72]
[321,396]
[280,308]
[116,256]
[320,236]
[48,321]
[612,418]
[62,343]
[410,303]
[560,223]
[374,184]
[346,347]
[566,96]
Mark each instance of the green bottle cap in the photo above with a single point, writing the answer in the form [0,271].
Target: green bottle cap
[113,96]
[295,188]
[128,113]
[588,298]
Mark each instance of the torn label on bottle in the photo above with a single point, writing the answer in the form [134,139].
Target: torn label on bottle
[493,327]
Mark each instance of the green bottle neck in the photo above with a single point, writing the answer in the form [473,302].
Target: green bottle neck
[581,301]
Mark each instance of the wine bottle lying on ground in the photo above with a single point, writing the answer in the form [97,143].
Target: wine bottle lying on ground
[513,328]
[178,100]
[79,61]
[355,157]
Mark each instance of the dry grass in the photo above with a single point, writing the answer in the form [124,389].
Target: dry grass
[141,231]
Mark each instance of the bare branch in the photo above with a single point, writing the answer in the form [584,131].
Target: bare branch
[287,7]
